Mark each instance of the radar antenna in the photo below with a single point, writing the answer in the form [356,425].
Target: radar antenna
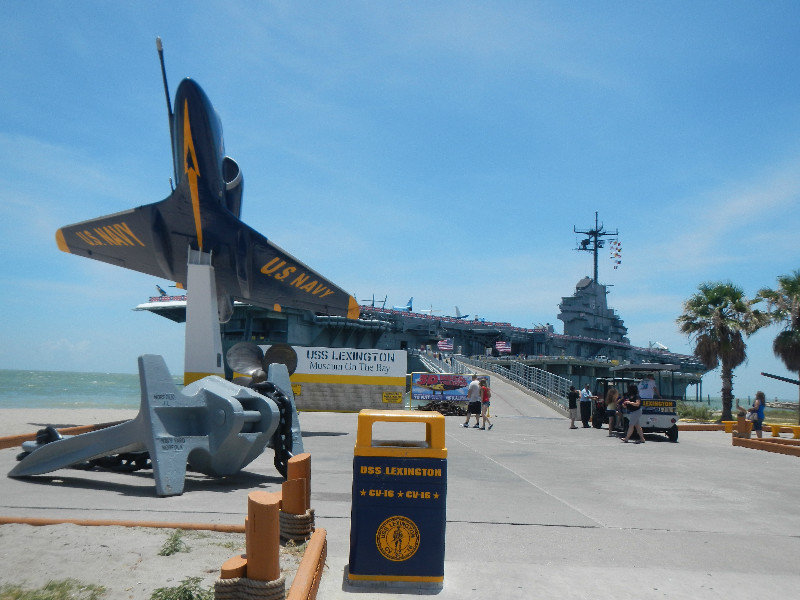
[593,242]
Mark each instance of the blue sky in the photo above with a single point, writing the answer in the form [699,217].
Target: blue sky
[441,150]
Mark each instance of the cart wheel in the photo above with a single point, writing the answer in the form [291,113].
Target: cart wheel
[597,422]
[672,433]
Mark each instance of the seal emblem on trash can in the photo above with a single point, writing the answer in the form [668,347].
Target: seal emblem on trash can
[397,538]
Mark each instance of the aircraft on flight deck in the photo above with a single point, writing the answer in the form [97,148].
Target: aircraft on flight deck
[202,213]
[407,307]
[459,315]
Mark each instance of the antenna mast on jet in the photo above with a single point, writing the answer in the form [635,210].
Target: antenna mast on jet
[169,104]
[593,242]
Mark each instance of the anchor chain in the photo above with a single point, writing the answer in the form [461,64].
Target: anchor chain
[281,441]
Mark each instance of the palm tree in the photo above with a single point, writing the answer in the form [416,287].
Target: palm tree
[784,309]
[719,317]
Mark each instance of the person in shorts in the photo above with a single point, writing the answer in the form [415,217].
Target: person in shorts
[486,394]
[572,397]
[473,402]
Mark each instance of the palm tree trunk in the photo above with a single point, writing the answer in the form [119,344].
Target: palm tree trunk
[726,375]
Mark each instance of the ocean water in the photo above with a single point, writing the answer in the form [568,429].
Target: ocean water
[64,389]
[61,389]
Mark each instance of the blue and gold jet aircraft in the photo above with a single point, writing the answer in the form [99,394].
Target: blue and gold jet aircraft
[202,213]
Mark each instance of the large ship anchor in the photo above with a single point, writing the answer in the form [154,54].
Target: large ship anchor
[214,426]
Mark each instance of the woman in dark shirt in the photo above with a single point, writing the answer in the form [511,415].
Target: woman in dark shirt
[634,405]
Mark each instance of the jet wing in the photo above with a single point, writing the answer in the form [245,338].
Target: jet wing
[155,239]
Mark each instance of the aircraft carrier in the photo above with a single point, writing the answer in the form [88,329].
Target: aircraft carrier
[594,337]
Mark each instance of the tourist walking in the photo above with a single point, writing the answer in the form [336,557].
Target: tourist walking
[486,394]
[572,398]
[586,405]
[473,402]
[634,405]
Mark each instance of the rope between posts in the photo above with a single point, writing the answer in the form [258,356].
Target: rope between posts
[242,588]
[296,527]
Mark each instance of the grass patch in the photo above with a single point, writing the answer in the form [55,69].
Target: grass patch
[234,545]
[188,589]
[787,416]
[696,412]
[174,544]
[65,589]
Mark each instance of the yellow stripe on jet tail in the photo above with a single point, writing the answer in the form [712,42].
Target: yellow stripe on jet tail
[192,172]
[61,242]
[353,311]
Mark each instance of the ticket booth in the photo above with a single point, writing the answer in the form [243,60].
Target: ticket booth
[397,525]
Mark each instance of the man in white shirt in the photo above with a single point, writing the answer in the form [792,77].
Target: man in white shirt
[473,401]
[647,388]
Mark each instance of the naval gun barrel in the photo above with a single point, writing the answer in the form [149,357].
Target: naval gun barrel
[786,379]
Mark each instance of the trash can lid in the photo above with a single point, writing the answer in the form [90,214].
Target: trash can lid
[432,447]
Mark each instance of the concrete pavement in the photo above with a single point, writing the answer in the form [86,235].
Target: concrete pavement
[533,508]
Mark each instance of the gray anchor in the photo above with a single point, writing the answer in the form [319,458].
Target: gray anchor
[215,426]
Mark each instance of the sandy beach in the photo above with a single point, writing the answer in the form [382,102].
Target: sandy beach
[14,421]
[125,560]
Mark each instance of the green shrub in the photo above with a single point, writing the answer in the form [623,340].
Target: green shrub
[174,544]
[189,589]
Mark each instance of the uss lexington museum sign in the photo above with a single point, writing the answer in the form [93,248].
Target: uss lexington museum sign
[348,379]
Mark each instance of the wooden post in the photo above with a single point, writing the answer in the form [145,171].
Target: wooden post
[234,568]
[299,467]
[263,536]
[294,496]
